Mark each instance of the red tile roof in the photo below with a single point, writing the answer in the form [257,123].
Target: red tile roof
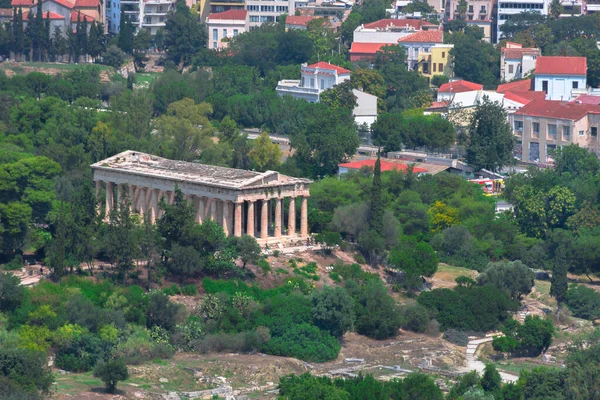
[368,48]
[512,53]
[554,65]
[63,3]
[82,17]
[46,15]
[22,3]
[87,3]
[438,104]
[416,24]
[385,165]
[231,14]
[326,65]
[459,86]
[558,109]
[424,37]
[524,97]
[587,99]
[522,85]
[301,20]
[6,12]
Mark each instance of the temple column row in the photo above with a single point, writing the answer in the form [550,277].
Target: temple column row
[229,215]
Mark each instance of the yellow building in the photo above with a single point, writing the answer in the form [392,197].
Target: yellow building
[434,61]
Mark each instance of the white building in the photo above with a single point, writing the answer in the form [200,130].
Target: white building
[560,77]
[517,62]
[390,30]
[260,11]
[419,43]
[224,26]
[321,76]
[315,79]
[509,8]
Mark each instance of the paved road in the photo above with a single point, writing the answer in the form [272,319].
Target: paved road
[473,364]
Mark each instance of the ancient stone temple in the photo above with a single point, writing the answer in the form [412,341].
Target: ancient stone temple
[242,202]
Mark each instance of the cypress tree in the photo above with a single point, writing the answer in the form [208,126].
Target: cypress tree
[559,284]
[376,216]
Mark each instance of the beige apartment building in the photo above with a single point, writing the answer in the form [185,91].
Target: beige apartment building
[542,126]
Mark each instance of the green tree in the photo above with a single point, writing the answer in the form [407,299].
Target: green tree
[340,95]
[491,141]
[248,249]
[414,258]
[11,292]
[333,310]
[111,373]
[556,9]
[121,239]
[184,262]
[177,222]
[377,206]
[142,40]
[126,33]
[474,59]
[184,34]
[559,284]
[513,276]
[265,155]
[491,382]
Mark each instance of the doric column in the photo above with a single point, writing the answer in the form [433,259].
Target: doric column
[264,220]
[304,217]
[119,194]
[131,197]
[153,209]
[225,219]
[171,198]
[250,219]
[237,231]
[199,209]
[292,217]
[142,201]
[98,187]
[277,218]
[213,210]
[109,199]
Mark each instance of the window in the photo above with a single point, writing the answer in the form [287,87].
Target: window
[443,54]
[322,84]
[510,69]
[312,82]
[235,32]
[551,131]
[302,82]
[536,128]
[545,86]
[215,34]
[581,133]
[426,68]
[440,67]
[470,9]
[519,126]
[566,132]
[214,45]
[575,85]
[254,18]
[224,33]
[148,20]
[434,67]
[426,49]
[594,131]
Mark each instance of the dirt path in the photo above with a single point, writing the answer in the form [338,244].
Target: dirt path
[473,364]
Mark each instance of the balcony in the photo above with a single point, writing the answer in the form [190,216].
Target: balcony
[153,24]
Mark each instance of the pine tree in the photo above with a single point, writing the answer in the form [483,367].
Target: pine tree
[82,35]
[126,31]
[18,34]
[58,256]
[376,215]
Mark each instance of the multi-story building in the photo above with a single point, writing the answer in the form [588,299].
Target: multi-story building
[70,10]
[509,8]
[480,13]
[419,43]
[365,51]
[149,14]
[260,11]
[517,62]
[542,126]
[434,61]
[390,30]
[559,77]
[224,26]
[218,6]
[315,78]
[112,15]
[298,21]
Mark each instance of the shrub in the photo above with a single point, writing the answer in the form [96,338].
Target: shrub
[359,258]
[335,276]
[305,342]
[276,253]
[377,315]
[189,290]
[513,276]
[15,264]
[281,271]
[172,290]
[333,310]
[162,312]
[111,373]
[243,342]
[459,338]
[11,292]
[583,302]
[140,347]
[264,266]
[416,318]
[27,368]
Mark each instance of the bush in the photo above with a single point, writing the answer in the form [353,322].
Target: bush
[111,373]
[459,338]
[15,264]
[359,258]
[305,342]
[333,310]
[27,368]
[513,276]
[416,318]
[163,313]
[335,276]
[11,292]
[139,347]
[242,342]
[264,266]
[377,315]
[189,290]
[583,302]
[172,290]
